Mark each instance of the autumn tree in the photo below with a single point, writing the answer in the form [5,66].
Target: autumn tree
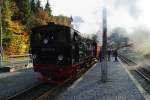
[62,20]
[17,16]
[15,39]
[41,18]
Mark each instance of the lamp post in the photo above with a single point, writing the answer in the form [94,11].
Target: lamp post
[104,48]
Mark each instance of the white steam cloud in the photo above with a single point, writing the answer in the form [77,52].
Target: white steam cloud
[89,11]
[127,14]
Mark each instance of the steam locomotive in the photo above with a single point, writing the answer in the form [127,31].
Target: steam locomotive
[59,52]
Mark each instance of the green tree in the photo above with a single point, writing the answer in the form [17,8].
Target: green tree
[118,38]
[94,37]
[38,6]
[15,10]
[6,22]
[48,8]
[26,9]
[33,6]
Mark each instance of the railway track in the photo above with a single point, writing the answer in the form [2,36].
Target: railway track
[144,72]
[46,91]
[141,70]
[30,93]
[126,60]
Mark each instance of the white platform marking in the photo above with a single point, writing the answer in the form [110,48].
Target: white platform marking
[140,88]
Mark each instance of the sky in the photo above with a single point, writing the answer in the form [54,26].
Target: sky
[87,14]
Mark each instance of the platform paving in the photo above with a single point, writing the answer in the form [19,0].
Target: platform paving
[89,87]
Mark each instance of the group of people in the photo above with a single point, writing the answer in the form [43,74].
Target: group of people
[114,53]
[110,52]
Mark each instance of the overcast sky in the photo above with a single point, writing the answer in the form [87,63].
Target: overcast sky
[87,15]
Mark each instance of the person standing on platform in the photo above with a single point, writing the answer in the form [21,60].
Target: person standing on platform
[116,54]
[100,56]
[108,54]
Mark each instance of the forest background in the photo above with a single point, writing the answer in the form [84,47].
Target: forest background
[18,17]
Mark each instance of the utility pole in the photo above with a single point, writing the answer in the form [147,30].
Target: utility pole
[104,48]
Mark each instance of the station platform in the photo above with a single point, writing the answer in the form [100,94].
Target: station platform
[120,85]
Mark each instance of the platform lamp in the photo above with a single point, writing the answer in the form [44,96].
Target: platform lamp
[104,48]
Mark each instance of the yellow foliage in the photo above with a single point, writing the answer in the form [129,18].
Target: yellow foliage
[17,45]
[62,20]
[42,18]
[17,27]
[43,15]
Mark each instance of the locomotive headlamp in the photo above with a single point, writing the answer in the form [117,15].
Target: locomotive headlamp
[45,41]
[34,56]
[60,57]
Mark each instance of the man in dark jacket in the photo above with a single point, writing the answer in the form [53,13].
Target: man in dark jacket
[108,54]
[116,54]
[100,56]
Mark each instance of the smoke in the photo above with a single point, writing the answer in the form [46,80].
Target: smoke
[86,13]
[141,40]
[90,11]
[131,5]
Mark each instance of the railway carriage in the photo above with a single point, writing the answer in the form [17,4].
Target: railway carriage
[59,51]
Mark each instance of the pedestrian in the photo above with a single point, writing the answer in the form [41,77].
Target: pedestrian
[116,54]
[108,54]
[100,55]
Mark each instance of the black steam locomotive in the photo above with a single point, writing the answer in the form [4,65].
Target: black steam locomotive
[60,52]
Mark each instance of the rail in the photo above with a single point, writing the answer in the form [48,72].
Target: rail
[144,72]
[16,95]
[126,60]
[141,70]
